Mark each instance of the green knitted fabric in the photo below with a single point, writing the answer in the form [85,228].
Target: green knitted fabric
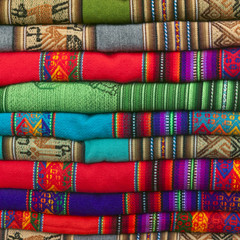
[106,11]
[100,97]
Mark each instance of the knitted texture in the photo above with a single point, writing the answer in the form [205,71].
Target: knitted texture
[168,36]
[119,125]
[99,97]
[224,222]
[10,233]
[171,67]
[119,150]
[83,204]
[112,11]
[167,175]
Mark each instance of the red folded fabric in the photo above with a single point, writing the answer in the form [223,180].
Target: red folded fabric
[165,175]
[218,222]
[188,66]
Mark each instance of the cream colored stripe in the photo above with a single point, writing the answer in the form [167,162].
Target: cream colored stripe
[84,37]
[70,11]
[14,148]
[144,36]
[9,12]
[210,34]
[130,149]
[24,38]
[73,144]
[131,11]
[196,10]
[195,146]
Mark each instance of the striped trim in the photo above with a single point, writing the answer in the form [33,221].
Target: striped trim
[119,224]
[29,200]
[152,148]
[222,54]
[199,200]
[136,173]
[153,9]
[190,121]
[13,124]
[144,202]
[165,36]
[214,174]
[3,213]
[224,94]
[177,35]
[174,142]
[41,64]
[175,5]
[164,10]
[80,65]
[41,222]
[155,175]
[134,124]
[236,96]
[188,36]
[35,173]
[100,223]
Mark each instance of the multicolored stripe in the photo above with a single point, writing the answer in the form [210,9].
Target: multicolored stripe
[174,67]
[167,175]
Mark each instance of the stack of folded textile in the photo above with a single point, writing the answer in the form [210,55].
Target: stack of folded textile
[127,128]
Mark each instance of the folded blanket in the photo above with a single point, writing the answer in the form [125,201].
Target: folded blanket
[167,175]
[167,36]
[119,125]
[6,234]
[119,150]
[83,204]
[101,97]
[173,67]
[113,11]
[218,222]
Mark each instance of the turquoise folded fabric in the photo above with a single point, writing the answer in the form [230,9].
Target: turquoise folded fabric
[81,127]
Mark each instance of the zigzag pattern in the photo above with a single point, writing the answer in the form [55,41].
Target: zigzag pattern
[216,123]
[37,124]
[60,66]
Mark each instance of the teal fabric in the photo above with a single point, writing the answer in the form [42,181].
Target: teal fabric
[78,127]
[1,152]
[106,150]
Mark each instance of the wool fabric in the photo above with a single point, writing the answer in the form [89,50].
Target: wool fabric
[119,125]
[119,150]
[173,67]
[217,222]
[167,36]
[167,175]
[114,11]
[6,234]
[83,204]
[100,97]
